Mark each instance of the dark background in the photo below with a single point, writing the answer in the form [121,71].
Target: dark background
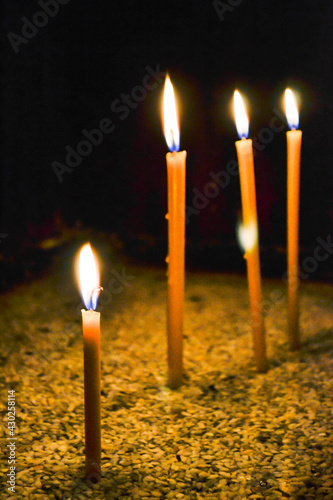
[67,76]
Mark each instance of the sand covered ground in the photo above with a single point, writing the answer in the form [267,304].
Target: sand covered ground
[228,432]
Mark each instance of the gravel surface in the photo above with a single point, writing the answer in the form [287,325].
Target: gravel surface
[229,432]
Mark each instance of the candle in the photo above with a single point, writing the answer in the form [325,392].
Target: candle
[250,225]
[89,284]
[294,141]
[176,237]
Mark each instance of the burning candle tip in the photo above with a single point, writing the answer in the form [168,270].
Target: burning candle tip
[241,118]
[291,109]
[170,117]
[89,277]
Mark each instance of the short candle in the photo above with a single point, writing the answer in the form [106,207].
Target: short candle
[89,284]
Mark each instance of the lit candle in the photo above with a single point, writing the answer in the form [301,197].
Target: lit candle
[294,141]
[89,284]
[250,225]
[176,237]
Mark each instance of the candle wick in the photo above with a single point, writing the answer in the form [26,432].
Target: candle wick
[173,138]
[96,288]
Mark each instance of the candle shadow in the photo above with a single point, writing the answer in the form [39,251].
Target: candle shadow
[312,347]
[80,488]
[319,343]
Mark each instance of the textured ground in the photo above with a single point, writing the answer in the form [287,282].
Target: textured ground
[227,433]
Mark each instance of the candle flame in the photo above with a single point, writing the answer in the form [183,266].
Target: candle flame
[89,277]
[241,118]
[291,109]
[247,236]
[170,119]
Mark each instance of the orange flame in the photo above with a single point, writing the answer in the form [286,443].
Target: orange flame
[89,277]
[247,236]
[241,118]
[170,118]
[291,109]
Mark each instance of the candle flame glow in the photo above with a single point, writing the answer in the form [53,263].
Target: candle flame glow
[170,119]
[247,236]
[291,109]
[241,118]
[89,277]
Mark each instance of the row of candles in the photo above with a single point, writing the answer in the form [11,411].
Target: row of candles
[176,165]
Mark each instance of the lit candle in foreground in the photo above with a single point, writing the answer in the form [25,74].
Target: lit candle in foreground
[250,226]
[89,284]
[176,237]
[294,141]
